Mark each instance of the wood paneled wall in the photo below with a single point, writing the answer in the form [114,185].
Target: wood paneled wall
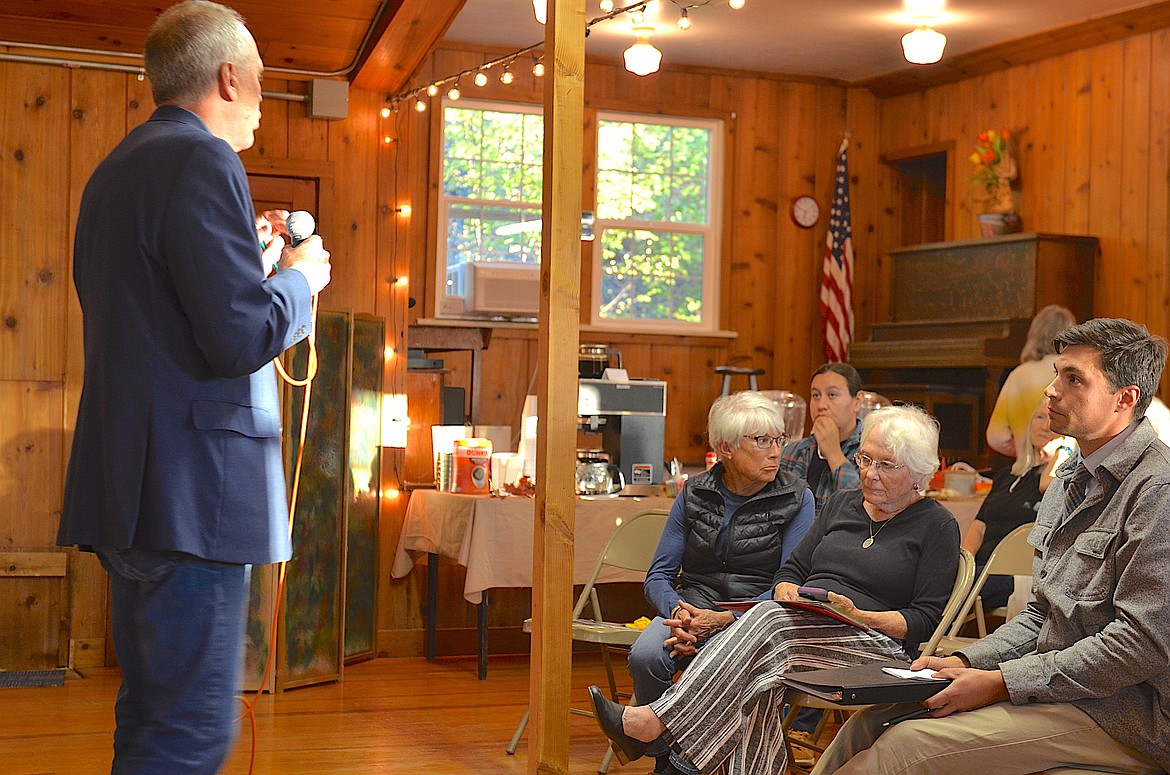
[56,125]
[781,138]
[1093,156]
[1092,129]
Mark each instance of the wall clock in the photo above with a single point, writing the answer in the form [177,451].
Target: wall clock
[805,211]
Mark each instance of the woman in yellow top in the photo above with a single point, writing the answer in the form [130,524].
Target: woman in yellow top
[1024,387]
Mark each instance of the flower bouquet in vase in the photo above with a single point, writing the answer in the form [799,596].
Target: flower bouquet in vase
[995,169]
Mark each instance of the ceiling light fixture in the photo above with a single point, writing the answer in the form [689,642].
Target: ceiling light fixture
[735,5]
[923,45]
[642,58]
[540,8]
[684,21]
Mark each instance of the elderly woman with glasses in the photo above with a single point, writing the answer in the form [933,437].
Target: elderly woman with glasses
[729,531]
[887,557]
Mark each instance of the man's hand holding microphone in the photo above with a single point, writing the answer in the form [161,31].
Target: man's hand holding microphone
[304,252]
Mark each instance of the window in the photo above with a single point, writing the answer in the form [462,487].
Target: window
[656,253]
[655,257]
[489,203]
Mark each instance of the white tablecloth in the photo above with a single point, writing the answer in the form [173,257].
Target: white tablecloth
[492,536]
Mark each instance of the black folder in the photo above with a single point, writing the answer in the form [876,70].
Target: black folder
[865,684]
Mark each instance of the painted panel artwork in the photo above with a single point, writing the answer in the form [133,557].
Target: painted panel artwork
[311,618]
[365,453]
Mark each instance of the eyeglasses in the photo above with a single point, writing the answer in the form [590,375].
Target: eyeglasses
[766,442]
[884,467]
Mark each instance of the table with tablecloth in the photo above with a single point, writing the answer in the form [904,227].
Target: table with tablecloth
[492,538]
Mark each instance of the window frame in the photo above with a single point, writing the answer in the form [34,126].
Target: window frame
[712,232]
[445,307]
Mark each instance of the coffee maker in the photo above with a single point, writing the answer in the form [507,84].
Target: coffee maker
[630,415]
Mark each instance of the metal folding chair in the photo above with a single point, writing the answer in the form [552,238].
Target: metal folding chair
[630,547]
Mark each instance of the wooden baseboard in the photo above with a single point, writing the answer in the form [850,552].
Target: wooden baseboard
[87,652]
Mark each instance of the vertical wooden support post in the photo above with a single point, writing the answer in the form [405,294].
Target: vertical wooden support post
[560,281]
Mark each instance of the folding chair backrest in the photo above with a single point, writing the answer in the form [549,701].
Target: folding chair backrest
[1012,556]
[964,578]
[630,547]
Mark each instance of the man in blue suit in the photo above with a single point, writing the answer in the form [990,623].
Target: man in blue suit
[176,477]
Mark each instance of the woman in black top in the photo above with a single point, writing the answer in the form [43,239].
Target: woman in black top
[887,557]
[1014,497]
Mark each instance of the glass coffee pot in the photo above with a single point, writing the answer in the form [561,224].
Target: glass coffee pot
[598,477]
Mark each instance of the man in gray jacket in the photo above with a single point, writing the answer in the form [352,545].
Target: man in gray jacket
[1081,678]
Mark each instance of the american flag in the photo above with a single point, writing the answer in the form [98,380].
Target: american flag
[837,275]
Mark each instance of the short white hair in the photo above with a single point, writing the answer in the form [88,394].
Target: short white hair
[910,434]
[746,413]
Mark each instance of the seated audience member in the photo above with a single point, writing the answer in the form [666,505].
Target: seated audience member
[729,531]
[824,458]
[887,556]
[1081,678]
[1024,386]
[1013,501]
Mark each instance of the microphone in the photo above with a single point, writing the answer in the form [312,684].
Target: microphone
[301,226]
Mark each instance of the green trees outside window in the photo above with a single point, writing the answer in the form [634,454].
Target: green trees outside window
[657,201]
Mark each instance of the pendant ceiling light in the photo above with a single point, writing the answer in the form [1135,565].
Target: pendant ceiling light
[642,58]
[923,45]
[540,8]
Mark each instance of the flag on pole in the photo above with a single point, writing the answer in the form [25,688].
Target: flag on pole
[837,274]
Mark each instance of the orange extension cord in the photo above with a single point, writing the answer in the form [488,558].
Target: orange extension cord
[307,384]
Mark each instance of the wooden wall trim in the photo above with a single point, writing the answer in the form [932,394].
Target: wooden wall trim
[34,564]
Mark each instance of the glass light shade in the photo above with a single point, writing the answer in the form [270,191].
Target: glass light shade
[642,58]
[605,5]
[540,8]
[923,46]
[481,78]
[735,4]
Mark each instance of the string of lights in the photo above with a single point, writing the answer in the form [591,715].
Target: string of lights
[419,95]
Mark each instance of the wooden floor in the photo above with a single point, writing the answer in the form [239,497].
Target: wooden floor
[388,716]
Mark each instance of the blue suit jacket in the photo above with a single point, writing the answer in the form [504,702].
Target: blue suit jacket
[177,444]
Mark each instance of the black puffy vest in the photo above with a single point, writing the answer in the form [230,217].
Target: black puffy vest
[751,551]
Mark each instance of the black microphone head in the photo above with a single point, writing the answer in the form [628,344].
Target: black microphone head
[300,227]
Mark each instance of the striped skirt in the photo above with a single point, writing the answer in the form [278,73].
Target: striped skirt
[724,713]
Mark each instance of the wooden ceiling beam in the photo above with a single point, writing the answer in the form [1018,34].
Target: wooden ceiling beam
[404,37]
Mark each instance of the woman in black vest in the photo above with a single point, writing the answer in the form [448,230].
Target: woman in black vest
[729,531]
[887,557]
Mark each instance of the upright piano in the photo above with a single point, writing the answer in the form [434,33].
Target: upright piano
[959,316]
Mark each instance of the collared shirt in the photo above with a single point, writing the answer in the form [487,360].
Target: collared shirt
[1092,461]
[797,457]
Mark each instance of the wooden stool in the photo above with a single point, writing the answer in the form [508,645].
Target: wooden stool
[730,371]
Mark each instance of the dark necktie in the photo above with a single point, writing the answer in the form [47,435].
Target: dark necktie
[1074,490]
